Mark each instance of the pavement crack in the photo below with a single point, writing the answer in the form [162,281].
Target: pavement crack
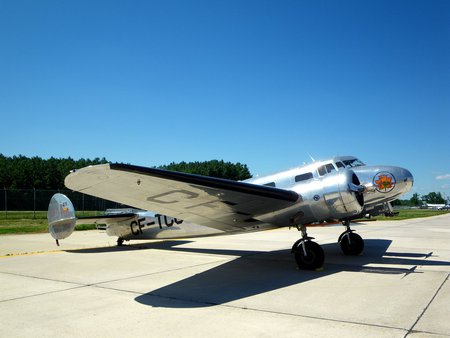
[411,330]
[156,273]
[42,293]
[41,278]
[281,313]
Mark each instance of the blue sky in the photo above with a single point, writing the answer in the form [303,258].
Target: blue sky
[259,82]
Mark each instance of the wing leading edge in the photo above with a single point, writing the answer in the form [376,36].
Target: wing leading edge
[219,203]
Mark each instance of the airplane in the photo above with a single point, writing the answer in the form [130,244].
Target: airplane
[433,206]
[338,189]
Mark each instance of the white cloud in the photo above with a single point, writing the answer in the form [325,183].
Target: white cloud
[443,177]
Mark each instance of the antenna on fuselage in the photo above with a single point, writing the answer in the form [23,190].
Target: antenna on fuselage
[312,158]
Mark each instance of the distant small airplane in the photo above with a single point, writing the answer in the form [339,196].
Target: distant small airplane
[338,189]
[433,206]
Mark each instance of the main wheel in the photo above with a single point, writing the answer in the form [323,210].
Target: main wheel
[352,244]
[314,256]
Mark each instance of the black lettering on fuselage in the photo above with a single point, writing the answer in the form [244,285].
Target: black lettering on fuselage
[167,221]
[136,226]
[133,226]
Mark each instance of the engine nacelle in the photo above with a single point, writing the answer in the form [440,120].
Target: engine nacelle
[343,194]
[335,196]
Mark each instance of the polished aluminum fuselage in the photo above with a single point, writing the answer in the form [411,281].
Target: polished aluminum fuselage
[323,195]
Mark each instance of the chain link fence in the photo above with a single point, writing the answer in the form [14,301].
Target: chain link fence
[38,200]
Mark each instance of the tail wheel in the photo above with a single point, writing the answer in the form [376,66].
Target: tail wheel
[314,257]
[352,244]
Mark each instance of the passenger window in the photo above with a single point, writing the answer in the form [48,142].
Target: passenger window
[270,184]
[322,170]
[303,177]
[330,167]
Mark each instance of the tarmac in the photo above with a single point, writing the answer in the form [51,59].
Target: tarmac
[229,286]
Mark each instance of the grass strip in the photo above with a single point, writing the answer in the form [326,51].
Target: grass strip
[22,222]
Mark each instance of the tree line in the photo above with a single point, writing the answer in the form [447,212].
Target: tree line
[214,168]
[418,200]
[21,172]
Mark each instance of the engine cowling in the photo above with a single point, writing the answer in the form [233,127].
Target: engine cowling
[343,194]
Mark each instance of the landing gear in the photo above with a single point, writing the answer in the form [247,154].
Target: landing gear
[120,241]
[308,254]
[351,243]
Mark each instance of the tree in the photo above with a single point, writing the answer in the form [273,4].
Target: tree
[415,199]
[213,168]
[21,172]
[434,198]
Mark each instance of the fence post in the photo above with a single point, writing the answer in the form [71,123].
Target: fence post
[34,203]
[6,204]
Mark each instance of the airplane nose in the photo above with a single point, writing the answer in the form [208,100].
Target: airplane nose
[407,178]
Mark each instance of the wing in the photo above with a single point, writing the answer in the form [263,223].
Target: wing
[222,204]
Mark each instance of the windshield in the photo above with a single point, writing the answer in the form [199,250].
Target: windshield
[353,163]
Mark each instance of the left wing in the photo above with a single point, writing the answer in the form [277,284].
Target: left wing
[218,203]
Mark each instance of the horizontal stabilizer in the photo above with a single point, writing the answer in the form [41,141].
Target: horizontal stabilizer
[105,219]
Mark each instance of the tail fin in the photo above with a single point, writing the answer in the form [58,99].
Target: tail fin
[61,217]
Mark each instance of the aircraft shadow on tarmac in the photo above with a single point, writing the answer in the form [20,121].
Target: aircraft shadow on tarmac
[258,272]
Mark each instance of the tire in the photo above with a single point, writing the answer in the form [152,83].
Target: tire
[314,256]
[352,247]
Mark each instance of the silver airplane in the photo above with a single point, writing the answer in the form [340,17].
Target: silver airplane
[339,189]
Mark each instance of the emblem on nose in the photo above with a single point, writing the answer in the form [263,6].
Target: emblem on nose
[384,182]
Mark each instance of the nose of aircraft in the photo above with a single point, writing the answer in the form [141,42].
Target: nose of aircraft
[384,182]
[405,178]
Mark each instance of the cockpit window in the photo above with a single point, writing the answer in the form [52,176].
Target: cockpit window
[353,163]
[340,165]
[322,170]
[326,169]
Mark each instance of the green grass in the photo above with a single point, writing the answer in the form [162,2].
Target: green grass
[21,222]
[412,213]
